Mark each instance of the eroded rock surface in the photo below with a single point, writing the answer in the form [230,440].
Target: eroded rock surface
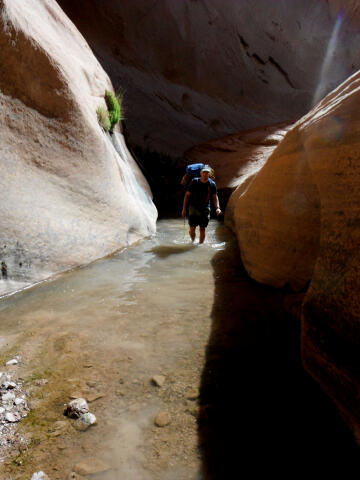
[198,70]
[298,222]
[68,195]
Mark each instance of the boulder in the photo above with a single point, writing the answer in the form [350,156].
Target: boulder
[198,70]
[69,193]
[297,223]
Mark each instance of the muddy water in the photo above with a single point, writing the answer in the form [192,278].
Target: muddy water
[103,331]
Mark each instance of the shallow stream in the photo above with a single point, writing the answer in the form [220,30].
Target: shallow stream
[233,391]
[105,330]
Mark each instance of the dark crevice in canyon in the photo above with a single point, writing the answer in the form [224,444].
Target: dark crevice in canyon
[259,410]
[163,173]
[257,58]
[243,42]
[282,71]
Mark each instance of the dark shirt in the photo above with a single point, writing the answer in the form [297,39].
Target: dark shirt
[201,193]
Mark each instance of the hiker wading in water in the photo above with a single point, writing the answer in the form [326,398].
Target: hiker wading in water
[198,196]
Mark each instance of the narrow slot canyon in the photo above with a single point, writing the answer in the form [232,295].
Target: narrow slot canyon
[129,350]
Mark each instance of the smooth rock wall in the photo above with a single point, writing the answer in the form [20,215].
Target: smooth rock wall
[277,219]
[198,70]
[297,222]
[63,199]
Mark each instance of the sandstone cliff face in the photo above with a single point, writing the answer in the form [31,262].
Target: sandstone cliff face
[298,222]
[197,70]
[63,193]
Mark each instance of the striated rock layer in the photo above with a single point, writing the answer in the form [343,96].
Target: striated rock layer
[68,193]
[198,70]
[298,222]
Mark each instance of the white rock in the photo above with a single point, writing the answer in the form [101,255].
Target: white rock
[13,361]
[9,385]
[88,418]
[2,410]
[8,397]
[39,476]
[10,417]
[76,408]
[19,401]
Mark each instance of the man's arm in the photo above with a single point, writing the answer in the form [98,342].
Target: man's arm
[186,201]
[216,204]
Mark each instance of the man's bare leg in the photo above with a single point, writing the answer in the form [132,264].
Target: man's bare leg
[192,233]
[202,235]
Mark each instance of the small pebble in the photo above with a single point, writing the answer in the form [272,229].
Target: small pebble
[162,419]
[39,476]
[158,380]
[88,418]
[10,417]
[13,361]
[193,394]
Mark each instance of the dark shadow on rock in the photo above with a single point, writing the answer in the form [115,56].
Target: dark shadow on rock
[260,412]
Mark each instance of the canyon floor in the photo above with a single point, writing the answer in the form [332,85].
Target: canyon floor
[229,392]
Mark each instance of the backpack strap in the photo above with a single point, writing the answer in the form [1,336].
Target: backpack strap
[209,194]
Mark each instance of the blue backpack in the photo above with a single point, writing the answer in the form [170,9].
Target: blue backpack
[192,171]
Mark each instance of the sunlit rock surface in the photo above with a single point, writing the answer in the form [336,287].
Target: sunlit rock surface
[68,194]
[298,222]
[276,218]
[199,70]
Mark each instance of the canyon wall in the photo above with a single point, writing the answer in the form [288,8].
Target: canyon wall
[297,223]
[194,70]
[68,193]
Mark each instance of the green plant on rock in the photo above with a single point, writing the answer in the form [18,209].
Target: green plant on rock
[114,109]
[103,118]
[110,116]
